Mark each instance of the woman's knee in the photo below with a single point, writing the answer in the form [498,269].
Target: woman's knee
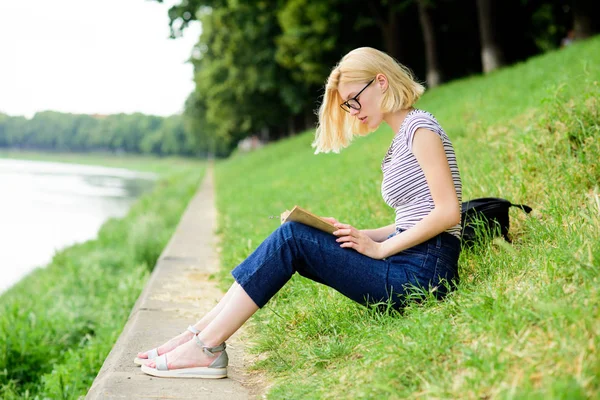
[291,229]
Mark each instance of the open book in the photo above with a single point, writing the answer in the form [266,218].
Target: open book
[301,215]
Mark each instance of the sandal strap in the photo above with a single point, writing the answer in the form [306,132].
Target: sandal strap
[210,350]
[193,330]
[152,353]
[161,363]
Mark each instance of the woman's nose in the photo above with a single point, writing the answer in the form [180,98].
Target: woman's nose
[354,111]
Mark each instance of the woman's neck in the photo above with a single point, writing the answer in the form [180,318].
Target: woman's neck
[395,119]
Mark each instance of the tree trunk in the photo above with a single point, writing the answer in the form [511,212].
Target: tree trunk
[583,25]
[491,53]
[390,35]
[291,126]
[389,28]
[300,122]
[310,120]
[434,76]
[265,134]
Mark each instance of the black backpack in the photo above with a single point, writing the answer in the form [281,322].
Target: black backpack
[489,215]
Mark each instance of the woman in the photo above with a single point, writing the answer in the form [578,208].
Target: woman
[420,249]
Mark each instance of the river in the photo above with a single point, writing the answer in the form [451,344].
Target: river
[46,206]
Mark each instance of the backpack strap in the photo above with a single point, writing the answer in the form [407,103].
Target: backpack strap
[523,207]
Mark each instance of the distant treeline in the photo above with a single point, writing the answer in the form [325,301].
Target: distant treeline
[129,133]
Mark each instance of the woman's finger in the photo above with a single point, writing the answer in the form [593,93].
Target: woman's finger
[344,226]
[344,239]
[340,232]
[331,220]
[351,231]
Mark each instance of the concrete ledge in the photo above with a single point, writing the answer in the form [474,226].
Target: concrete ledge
[177,294]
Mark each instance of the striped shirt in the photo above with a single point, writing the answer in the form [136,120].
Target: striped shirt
[404,186]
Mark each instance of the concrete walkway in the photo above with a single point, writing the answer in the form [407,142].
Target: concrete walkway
[178,293]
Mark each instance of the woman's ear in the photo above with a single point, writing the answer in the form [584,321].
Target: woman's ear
[382,82]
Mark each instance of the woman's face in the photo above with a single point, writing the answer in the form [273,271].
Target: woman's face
[369,100]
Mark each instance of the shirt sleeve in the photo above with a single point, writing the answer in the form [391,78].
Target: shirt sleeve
[421,121]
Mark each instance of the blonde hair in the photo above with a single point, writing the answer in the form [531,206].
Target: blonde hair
[336,127]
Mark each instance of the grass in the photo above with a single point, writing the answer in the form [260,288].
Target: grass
[58,324]
[525,320]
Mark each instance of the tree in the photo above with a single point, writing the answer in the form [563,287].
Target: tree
[199,132]
[260,65]
[237,76]
[310,40]
[434,74]
[491,53]
[131,133]
[180,15]
[584,18]
[388,17]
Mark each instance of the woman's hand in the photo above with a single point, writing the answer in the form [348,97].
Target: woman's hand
[353,238]
[331,220]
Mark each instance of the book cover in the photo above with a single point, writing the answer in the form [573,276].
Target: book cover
[305,217]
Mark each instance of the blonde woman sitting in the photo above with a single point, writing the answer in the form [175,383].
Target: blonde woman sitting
[419,249]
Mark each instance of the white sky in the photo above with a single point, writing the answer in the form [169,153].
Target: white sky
[92,56]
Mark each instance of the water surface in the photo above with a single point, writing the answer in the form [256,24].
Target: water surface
[45,206]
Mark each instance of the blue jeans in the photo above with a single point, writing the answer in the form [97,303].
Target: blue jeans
[295,247]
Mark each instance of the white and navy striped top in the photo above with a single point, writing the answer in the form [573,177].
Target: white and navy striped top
[404,187]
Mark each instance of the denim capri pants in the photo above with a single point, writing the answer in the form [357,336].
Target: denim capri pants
[314,254]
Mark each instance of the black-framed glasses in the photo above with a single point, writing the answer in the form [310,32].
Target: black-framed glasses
[353,102]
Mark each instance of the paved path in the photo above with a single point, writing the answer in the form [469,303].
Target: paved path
[178,292]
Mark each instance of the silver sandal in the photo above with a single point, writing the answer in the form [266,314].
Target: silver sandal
[216,370]
[152,354]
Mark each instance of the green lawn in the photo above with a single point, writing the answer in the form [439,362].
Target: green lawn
[524,322]
[58,324]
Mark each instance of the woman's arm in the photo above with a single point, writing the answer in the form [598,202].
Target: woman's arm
[376,235]
[380,234]
[429,152]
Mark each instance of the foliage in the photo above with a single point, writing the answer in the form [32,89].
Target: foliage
[524,321]
[58,324]
[237,78]
[120,133]
[260,65]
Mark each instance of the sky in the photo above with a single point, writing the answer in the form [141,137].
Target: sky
[92,57]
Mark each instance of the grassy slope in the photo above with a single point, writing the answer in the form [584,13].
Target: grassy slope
[525,320]
[58,324]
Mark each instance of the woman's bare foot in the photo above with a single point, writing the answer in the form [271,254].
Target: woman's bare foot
[171,344]
[187,355]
